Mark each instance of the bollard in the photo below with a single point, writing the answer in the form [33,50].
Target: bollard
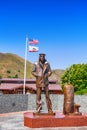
[68,106]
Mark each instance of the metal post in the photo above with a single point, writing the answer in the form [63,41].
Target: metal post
[25,65]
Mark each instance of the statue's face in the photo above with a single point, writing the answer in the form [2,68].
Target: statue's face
[42,57]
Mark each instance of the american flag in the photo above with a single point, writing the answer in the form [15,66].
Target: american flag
[33,41]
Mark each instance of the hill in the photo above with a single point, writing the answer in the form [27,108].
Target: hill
[12,66]
[57,73]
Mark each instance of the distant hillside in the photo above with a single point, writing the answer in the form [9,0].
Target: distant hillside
[57,73]
[12,66]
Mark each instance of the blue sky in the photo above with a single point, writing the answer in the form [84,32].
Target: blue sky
[59,25]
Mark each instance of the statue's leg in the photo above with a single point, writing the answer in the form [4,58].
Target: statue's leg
[48,101]
[38,99]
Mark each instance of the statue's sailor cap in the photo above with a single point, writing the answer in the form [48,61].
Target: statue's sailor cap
[42,54]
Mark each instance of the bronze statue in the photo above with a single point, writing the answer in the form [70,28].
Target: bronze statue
[41,70]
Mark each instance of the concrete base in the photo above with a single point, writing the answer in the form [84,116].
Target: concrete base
[57,120]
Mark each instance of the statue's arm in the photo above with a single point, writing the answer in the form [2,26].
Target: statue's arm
[50,71]
[34,71]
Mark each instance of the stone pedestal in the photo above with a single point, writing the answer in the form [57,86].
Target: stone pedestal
[56,120]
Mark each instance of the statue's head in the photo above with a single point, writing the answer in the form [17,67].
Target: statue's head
[42,57]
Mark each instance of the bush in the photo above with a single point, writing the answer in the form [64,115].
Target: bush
[81,92]
[8,71]
[77,76]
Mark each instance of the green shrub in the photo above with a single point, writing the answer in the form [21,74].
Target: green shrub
[77,76]
[81,92]
[8,71]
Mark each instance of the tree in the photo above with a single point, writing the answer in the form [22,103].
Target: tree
[77,76]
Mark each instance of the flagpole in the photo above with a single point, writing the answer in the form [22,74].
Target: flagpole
[25,65]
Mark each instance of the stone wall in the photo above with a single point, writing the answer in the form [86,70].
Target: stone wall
[13,103]
[78,99]
[19,102]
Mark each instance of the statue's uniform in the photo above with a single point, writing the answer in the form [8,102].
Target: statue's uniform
[42,72]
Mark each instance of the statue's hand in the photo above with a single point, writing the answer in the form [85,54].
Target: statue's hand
[34,74]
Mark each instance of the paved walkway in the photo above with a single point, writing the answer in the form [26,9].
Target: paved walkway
[14,121]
